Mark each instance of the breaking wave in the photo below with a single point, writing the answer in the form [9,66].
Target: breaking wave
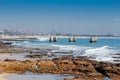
[43,39]
[103,53]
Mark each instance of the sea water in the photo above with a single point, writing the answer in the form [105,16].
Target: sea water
[102,50]
[34,76]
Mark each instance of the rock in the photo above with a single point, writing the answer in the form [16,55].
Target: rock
[63,58]
[98,76]
[84,66]
[108,68]
[47,66]
[17,66]
[65,66]
[82,69]
[117,65]
[34,56]
[68,79]
[10,60]
[12,67]
[113,76]
[91,76]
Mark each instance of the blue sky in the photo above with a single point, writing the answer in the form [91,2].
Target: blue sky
[68,16]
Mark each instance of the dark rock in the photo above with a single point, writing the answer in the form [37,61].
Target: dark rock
[34,56]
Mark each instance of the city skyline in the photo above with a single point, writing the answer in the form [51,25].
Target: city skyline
[66,16]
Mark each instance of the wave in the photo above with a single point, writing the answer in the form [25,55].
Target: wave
[70,47]
[21,43]
[103,53]
[100,50]
[43,39]
[31,42]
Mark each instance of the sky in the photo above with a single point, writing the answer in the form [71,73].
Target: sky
[65,16]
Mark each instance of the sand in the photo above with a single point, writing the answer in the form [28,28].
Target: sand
[2,76]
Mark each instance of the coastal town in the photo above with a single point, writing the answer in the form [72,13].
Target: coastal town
[5,33]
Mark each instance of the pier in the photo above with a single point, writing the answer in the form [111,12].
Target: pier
[52,39]
[93,39]
[72,39]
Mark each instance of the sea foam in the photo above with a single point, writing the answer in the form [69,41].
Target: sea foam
[43,39]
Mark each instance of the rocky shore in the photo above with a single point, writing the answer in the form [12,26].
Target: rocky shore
[81,68]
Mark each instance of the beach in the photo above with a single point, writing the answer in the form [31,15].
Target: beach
[78,60]
[59,39]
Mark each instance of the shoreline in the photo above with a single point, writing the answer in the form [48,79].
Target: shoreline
[4,37]
[81,67]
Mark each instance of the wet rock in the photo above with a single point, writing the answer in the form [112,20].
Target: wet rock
[109,68]
[13,49]
[98,76]
[113,76]
[34,56]
[10,60]
[63,58]
[91,76]
[117,65]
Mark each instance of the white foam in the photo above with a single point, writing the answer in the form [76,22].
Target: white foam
[101,54]
[97,51]
[76,50]
[21,43]
[71,47]
[43,39]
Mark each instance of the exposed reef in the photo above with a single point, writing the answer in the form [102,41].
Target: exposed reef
[81,68]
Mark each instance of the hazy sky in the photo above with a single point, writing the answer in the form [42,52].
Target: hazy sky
[69,16]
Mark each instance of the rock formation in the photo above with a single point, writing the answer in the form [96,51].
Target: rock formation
[82,69]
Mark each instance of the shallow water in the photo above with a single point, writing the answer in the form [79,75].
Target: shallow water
[103,50]
[108,78]
[32,76]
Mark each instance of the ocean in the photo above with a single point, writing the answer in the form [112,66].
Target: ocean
[105,49]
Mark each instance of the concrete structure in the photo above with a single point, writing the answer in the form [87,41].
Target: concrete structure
[52,39]
[93,39]
[72,39]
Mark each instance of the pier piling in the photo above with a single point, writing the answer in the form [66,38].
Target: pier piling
[52,39]
[93,39]
[72,39]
